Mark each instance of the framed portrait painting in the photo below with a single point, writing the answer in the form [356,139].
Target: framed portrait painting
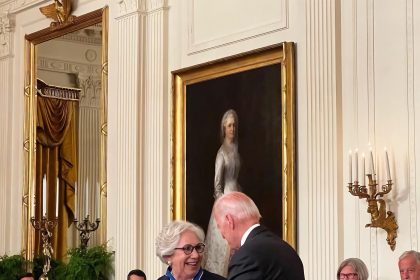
[259,88]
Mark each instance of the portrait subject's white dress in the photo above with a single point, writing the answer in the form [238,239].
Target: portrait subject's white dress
[225,180]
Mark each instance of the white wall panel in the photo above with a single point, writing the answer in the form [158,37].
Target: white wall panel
[379,87]
[207,29]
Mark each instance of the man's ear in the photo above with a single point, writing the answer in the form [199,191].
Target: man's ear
[230,221]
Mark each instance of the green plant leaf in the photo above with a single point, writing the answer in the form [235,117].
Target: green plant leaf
[90,264]
[11,267]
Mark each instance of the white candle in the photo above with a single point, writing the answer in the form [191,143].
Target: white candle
[350,163]
[357,165]
[98,202]
[33,200]
[33,204]
[87,198]
[372,167]
[57,197]
[44,196]
[363,170]
[76,208]
[388,171]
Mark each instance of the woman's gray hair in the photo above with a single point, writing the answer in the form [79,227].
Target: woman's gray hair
[358,265]
[169,237]
[233,114]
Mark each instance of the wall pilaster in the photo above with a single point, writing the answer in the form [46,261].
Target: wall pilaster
[124,188]
[6,34]
[139,119]
[318,231]
[156,121]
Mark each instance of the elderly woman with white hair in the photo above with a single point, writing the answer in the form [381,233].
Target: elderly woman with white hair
[352,269]
[180,244]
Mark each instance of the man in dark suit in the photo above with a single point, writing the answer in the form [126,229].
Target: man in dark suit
[260,254]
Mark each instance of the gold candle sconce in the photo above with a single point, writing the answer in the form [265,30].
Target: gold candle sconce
[380,218]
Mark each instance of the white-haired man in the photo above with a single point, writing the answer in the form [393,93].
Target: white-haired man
[259,253]
[409,265]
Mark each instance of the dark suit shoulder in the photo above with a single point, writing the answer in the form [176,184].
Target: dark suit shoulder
[207,275]
[164,277]
[266,253]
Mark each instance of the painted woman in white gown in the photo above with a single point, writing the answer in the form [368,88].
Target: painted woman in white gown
[227,167]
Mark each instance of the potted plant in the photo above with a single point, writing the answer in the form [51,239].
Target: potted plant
[95,263]
[11,267]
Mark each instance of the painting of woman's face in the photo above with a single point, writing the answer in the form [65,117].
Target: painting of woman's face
[230,128]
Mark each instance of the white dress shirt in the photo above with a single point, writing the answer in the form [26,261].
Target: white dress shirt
[247,232]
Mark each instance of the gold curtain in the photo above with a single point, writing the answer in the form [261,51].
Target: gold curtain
[56,158]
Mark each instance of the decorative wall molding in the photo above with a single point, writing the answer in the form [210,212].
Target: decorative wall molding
[6,29]
[151,6]
[155,134]
[127,224]
[370,78]
[15,6]
[127,7]
[64,66]
[5,153]
[88,36]
[370,66]
[323,148]
[412,124]
[90,94]
[246,33]
[144,7]
[141,85]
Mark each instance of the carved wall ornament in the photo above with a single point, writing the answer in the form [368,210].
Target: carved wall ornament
[90,55]
[6,26]
[90,90]
[60,12]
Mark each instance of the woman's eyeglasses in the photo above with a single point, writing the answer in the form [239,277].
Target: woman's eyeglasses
[188,248]
[350,276]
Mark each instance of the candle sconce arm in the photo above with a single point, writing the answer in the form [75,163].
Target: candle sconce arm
[385,189]
[357,190]
[85,227]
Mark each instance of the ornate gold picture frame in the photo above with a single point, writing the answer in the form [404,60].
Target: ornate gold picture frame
[91,28]
[260,87]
